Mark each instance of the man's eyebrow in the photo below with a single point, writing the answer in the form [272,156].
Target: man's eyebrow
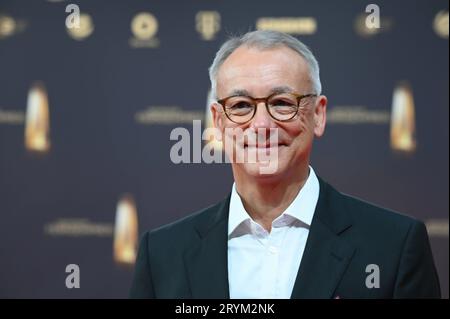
[239,92]
[281,89]
[275,90]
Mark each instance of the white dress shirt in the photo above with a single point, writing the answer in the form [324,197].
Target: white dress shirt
[263,264]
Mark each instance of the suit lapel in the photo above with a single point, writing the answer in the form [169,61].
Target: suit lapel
[324,261]
[207,261]
[326,254]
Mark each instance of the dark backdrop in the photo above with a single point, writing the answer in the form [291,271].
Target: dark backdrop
[115,95]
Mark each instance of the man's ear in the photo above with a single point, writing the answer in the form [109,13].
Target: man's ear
[217,117]
[320,115]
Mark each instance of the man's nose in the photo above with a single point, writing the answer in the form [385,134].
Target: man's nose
[262,118]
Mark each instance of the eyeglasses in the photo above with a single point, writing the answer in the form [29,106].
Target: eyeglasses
[280,106]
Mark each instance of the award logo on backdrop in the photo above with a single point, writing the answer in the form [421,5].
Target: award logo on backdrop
[144,27]
[403,123]
[207,23]
[440,24]
[37,122]
[85,29]
[126,231]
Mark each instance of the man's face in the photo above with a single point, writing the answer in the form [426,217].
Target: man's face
[258,73]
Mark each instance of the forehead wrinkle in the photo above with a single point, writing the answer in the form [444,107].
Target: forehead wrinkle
[257,71]
[261,71]
[247,85]
[274,90]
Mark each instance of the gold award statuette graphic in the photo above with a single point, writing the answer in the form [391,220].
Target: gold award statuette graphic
[126,231]
[37,120]
[403,124]
[207,23]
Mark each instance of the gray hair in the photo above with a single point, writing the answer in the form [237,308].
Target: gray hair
[264,40]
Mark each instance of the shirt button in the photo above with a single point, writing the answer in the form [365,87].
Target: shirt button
[273,250]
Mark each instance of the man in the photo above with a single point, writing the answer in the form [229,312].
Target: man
[284,234]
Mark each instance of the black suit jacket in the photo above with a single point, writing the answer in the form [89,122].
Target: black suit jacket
[188,259]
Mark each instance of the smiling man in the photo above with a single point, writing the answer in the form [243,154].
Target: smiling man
[287,233]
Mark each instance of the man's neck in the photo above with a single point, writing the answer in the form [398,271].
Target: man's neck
[265,200]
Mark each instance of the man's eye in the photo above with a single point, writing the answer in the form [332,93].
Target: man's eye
[241,106]
[282,103]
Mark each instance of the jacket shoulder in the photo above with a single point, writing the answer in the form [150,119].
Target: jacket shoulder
[369,220]
[363,210]
[185,229]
